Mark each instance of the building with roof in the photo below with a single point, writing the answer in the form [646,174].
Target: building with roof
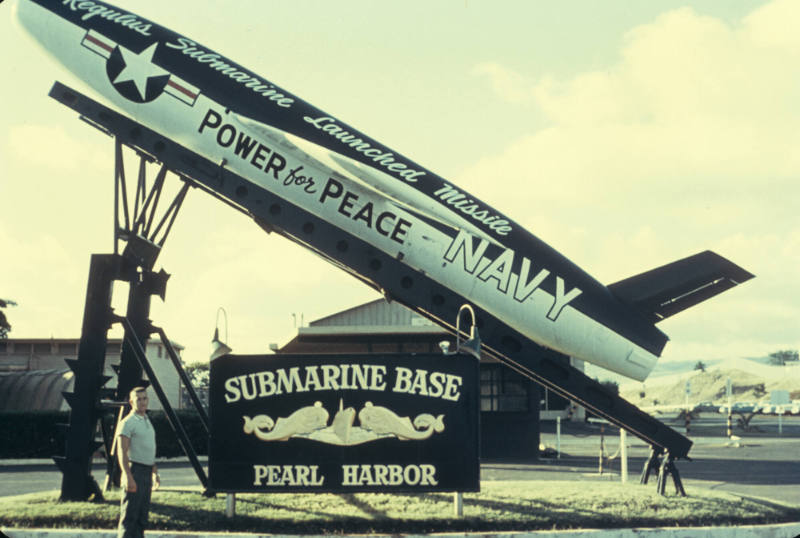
[509,402]
[33,374]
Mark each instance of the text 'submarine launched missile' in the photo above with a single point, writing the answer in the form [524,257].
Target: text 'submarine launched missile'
[439,236]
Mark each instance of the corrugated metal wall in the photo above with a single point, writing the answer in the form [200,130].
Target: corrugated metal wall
[36,390]
[375,313]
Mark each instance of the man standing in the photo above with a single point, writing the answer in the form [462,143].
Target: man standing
[136,448]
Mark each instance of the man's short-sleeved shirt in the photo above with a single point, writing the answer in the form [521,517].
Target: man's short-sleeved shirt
[143,438]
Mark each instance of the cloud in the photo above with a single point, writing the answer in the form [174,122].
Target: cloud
[695,113]
[774,26]
[52,146]
[510,85]
[689,98]
[60,276]
[686,142]
[680,66]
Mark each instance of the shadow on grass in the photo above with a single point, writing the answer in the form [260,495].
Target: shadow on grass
[325,516]
[209,514]
[537,510]
[363,506]
[197,517]
[269,505]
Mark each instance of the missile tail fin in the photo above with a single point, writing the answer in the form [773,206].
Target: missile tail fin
[672,288]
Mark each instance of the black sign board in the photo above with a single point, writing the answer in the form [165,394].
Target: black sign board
[344,423]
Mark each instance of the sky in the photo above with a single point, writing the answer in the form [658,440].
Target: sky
[624,134]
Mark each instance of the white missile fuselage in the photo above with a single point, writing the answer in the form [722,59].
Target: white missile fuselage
[280,144]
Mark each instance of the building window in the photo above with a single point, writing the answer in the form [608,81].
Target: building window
[3,347]
[415,347]
[22,348]
[384,347]
[43,348]
[113,348]
[503,389]
[69,349]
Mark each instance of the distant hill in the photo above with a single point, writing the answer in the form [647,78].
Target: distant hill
[667,383]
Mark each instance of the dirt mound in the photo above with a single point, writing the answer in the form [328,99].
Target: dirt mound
[710,386]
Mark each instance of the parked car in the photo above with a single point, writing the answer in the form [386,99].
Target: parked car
[743,407]
[739,407]
[705,407]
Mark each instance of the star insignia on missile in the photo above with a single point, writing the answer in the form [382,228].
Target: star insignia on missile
[139,68]
[134,75]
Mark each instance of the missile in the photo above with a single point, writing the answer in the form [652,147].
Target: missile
[437,233]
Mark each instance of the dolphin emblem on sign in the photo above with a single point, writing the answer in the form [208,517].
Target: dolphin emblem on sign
[376,422]
[383,421]
[301,422]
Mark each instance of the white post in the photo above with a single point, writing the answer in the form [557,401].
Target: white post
[558,438]
[230,505]
[687,391]
[623,455]
[729,393]
[602,449]
[458,504]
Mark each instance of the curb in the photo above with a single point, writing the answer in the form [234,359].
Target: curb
[95,461]
[784,530]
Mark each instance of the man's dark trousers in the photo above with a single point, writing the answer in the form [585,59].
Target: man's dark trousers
[136,505]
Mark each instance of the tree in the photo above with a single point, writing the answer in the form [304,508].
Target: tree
[779,358]
[198,374]
[700,366]
[612,386]
[744,420]
[5,326]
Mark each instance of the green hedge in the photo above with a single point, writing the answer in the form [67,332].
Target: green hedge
[167,442]
[31,434]
[25,435]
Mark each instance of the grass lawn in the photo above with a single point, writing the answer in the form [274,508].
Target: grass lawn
[500,506]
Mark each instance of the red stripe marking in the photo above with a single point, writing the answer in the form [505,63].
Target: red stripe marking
[99,43]
[181,89]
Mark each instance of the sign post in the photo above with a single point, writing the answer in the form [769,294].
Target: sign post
[558,438]
[623,455]
[687,416]
[458,504]
[729,394]
[230,505]
[780,399]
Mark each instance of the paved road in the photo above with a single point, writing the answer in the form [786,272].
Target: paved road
[22,477]
[762,465]
[769,468]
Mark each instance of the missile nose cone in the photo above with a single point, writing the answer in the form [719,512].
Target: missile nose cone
[19,13]
[13,6]
[16,8]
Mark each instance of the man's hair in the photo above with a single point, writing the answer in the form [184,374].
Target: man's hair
[132,394]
